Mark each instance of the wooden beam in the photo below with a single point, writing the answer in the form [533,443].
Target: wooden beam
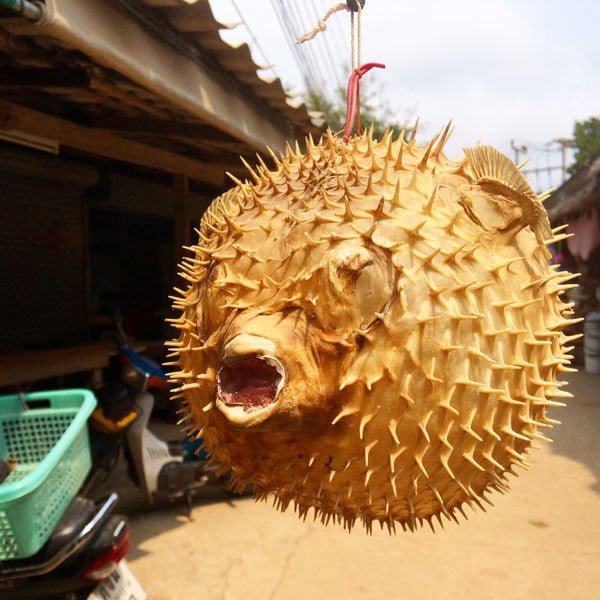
[107,145]
[44,78]
[161,127]
[222,147]
[33,365]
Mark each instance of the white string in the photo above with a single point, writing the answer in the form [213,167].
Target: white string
[358,53]
[352,43]
[355,38]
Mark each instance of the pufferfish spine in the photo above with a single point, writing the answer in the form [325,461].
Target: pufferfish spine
[372,330]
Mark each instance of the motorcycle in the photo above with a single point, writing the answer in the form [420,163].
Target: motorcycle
[84,558]
[120,426]
[55,542]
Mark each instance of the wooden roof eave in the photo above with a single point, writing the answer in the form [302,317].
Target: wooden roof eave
[113,40]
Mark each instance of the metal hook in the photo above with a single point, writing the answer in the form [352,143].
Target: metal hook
[353,5]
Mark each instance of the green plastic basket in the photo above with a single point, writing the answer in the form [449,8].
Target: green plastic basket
[46,433]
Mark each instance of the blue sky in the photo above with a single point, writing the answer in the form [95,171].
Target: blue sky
[501,70]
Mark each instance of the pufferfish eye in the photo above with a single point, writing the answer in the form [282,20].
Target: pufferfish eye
[373,287]
[360,274]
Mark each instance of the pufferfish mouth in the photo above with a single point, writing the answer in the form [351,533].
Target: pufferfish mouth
[248,386]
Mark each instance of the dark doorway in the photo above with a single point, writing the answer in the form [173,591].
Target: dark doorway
[131,270]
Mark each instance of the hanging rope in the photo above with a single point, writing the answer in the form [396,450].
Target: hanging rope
[351,6]
[353,90]
[322,25]
[354,34]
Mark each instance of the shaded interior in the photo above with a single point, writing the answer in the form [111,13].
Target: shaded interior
[250,382]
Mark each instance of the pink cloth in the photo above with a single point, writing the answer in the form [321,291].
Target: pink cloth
[587,234]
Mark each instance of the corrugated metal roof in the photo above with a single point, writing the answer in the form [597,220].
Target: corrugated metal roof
[195,20]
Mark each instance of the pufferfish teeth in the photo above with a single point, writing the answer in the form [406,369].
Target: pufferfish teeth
[237,415]
[248,344]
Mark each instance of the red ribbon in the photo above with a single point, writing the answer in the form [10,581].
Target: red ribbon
[353,98]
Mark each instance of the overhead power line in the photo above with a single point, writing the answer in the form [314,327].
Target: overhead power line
[310,50]
[323,42]
[299,58]
[255,41]
[316,59]
[335,36]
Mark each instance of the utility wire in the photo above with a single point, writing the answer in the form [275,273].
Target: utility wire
[318,56]
[255,41]
[303,67]
[338,37]
[323,40]
[298,26]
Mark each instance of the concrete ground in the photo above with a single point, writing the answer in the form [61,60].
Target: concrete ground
[540,541]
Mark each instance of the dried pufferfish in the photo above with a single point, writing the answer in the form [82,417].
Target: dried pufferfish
[372,330]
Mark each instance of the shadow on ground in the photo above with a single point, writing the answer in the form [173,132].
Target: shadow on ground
[149,520]
[164,516]
[578,436]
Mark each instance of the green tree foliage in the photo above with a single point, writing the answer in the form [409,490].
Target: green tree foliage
[375,110]
[586,137]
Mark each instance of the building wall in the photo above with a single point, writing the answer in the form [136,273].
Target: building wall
[51,243]
[42,251]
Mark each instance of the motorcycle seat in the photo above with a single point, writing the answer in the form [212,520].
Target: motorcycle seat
[77,515]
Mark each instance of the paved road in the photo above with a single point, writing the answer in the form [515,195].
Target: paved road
[541,541]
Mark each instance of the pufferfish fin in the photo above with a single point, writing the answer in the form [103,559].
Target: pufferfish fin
[497,174]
